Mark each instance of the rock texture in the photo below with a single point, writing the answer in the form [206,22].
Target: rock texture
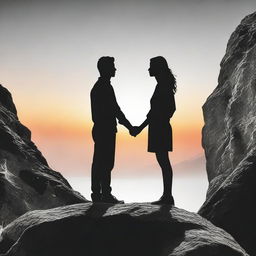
[229,139]
[105,229]
[26,181]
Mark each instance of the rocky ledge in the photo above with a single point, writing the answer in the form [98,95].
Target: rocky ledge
[26,181]
[105,229]
[229,139]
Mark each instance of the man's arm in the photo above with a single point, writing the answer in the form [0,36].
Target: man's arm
[120,115]
[99,106]
[122,119]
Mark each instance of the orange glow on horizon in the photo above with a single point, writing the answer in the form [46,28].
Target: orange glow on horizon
[68,145]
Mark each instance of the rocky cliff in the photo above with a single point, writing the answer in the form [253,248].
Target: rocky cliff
[27,184]
[229,139]
[113,230]
[26,181]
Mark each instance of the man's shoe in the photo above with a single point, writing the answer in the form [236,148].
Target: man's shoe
[96,198]
[165,199]
[109,198]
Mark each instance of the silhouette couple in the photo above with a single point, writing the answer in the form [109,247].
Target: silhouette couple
[105,111]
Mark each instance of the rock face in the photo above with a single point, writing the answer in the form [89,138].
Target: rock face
[229,139]
[105,229]
[26,181]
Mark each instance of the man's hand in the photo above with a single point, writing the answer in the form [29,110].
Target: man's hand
[134,131]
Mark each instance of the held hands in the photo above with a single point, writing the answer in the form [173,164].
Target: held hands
[135,130]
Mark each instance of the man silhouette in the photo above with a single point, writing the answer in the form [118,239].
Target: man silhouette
[105,111]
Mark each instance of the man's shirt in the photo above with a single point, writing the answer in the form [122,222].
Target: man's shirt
[105,108]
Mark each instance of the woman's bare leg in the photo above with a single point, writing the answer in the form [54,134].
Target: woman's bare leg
[164,162]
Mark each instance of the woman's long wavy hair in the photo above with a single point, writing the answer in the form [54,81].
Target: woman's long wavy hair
[162,70]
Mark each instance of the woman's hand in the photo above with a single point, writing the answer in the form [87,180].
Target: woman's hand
[134,131]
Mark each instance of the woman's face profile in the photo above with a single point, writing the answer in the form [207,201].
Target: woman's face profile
[151,70]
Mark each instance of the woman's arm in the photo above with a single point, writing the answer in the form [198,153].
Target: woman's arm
[173,106]
[143,125]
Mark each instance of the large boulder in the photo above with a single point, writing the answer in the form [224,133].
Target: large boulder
[26,181]
[229,139]
[105,229]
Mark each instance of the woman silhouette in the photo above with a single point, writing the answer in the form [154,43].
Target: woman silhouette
[158,120]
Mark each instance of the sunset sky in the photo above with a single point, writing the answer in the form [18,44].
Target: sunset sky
[49,51]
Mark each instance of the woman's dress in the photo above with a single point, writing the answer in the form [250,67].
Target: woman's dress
[159,129]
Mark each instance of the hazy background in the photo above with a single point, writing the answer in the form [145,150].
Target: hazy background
[49,51]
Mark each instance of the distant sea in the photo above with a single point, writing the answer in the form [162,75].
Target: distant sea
[189,191]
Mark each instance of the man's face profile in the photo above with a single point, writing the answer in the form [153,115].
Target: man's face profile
[112,69]
[107,69]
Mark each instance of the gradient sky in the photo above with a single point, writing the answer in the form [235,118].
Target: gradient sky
[49,51]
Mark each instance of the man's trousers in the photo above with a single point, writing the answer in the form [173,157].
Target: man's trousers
[103,162]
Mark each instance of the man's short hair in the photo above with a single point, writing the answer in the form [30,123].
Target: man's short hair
[104,62]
